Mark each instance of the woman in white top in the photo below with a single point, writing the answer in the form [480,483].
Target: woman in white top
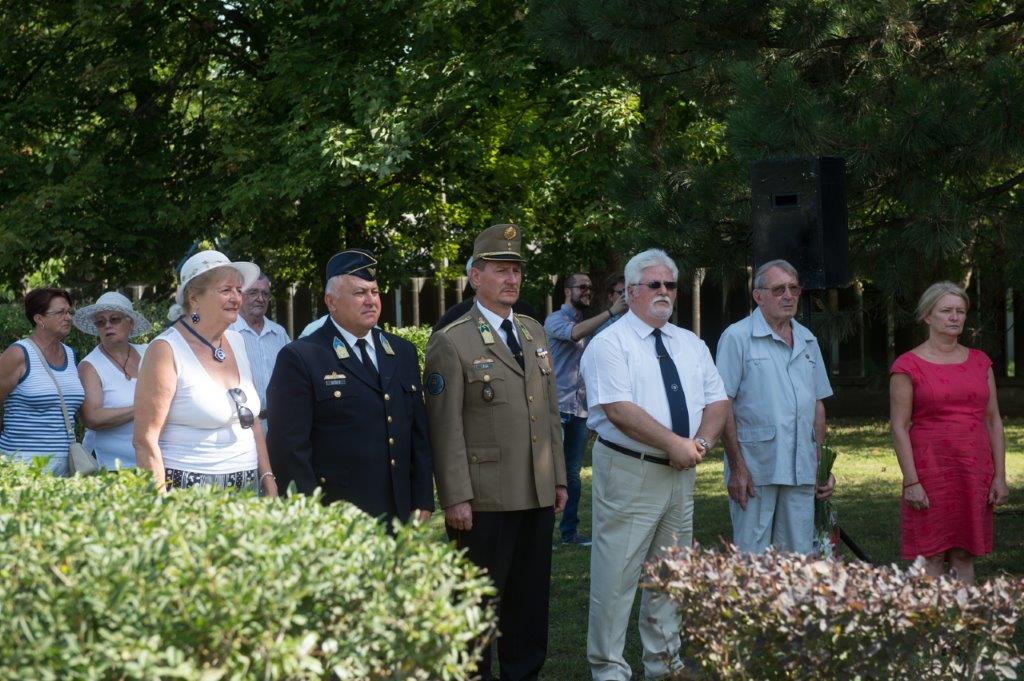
[109,374]
[195,403]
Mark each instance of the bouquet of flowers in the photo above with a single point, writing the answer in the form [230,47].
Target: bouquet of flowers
[826,526]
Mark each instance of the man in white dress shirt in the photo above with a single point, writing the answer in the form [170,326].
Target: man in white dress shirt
[657,404]
[263,337]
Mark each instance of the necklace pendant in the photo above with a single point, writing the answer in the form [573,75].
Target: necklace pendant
[218,354]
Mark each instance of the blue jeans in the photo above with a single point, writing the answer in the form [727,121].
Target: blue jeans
[574,441]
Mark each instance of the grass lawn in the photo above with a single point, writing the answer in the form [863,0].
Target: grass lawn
[866,497]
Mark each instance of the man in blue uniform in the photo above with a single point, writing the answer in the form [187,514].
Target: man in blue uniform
[346,406]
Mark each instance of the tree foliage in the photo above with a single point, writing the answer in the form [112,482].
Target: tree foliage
[286,130]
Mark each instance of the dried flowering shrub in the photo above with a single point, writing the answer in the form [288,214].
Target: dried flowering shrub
[785,616]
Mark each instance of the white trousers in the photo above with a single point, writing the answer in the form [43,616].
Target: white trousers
[638,509]
[779,515]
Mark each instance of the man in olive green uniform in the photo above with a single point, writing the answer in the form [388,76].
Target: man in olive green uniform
[492,411]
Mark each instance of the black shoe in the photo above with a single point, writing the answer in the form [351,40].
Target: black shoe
[578,539]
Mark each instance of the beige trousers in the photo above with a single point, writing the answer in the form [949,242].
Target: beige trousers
[639,508]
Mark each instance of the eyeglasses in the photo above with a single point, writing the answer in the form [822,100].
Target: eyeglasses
[780,290]
[112,321]
[583,287]
[66,312]
[656,285]
[265,295]
[245,415]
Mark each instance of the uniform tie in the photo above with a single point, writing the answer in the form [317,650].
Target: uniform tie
[367,362]
[673,388]
[512,343]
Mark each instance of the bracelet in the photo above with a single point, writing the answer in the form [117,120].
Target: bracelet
[270,473]
[916,482]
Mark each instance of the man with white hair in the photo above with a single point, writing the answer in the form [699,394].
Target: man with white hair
[776,380]
[263,337]
[346,405]
[657,404]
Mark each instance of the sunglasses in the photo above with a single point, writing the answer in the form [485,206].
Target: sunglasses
[780,290]
[583,287]
[245,415]
[656,285]
[113,320]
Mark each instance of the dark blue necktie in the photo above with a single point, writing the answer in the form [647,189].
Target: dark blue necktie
[673,388]
[513,344]
[367,362]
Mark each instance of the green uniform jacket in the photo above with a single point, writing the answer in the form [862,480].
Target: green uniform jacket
[494,429]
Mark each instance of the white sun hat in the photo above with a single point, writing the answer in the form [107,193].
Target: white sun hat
[204,261]
[111,301]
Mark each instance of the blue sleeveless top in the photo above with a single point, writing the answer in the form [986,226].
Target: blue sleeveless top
[33,423]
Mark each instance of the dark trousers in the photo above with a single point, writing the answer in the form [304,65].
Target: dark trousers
[574,443]
[515,547]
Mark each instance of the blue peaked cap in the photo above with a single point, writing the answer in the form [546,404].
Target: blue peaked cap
[357,262]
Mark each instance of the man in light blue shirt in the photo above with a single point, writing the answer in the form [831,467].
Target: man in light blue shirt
[775,377]
[568,334]
[263,337]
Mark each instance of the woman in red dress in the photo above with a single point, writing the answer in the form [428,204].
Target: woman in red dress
[948,437]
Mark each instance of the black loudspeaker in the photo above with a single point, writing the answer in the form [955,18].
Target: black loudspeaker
[798,211]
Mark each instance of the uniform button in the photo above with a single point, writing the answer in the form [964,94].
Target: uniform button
[337,393]
[386,397]
[533,418]
[390,419]
[392,462]
[487,377]
[473,458]
[391,440]
[530,397]
[534,438]
[323,481]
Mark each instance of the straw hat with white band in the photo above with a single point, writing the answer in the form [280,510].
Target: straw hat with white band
[111,301]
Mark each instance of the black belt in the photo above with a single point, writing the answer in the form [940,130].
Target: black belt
[636,455]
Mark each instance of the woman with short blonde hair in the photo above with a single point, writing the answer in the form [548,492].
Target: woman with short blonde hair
[948,437]
[195,404]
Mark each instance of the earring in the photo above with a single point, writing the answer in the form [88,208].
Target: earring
[195,317]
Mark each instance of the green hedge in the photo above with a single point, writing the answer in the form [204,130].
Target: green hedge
[101,578]
[417,335]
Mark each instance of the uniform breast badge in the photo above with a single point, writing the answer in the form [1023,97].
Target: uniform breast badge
[334,378]
[544,361]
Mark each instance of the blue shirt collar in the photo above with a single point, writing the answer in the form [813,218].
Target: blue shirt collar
[759,328]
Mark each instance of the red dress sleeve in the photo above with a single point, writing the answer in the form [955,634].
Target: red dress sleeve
[904,364]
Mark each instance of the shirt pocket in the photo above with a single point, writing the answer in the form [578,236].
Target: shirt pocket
[411,389]
[334,400]
[486,386]
[755,434]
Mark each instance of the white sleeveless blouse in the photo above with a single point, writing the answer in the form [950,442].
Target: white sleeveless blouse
[113,445]
[202,433]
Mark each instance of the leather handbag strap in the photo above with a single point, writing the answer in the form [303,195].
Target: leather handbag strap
[60,393]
